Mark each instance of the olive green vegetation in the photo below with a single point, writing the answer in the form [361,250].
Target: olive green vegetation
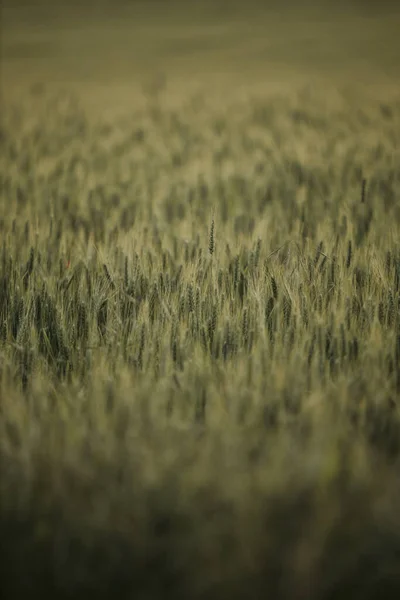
[200,349]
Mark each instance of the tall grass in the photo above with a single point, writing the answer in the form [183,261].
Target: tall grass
[200,350]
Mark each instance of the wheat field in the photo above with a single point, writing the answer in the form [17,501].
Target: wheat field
[199,338]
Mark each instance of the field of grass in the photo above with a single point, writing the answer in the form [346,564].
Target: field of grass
[199,325]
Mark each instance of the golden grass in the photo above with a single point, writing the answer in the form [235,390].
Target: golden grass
[200,349]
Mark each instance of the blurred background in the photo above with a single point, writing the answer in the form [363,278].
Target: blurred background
[113,52]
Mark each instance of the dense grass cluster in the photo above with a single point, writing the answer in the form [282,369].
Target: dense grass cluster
[200,349]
